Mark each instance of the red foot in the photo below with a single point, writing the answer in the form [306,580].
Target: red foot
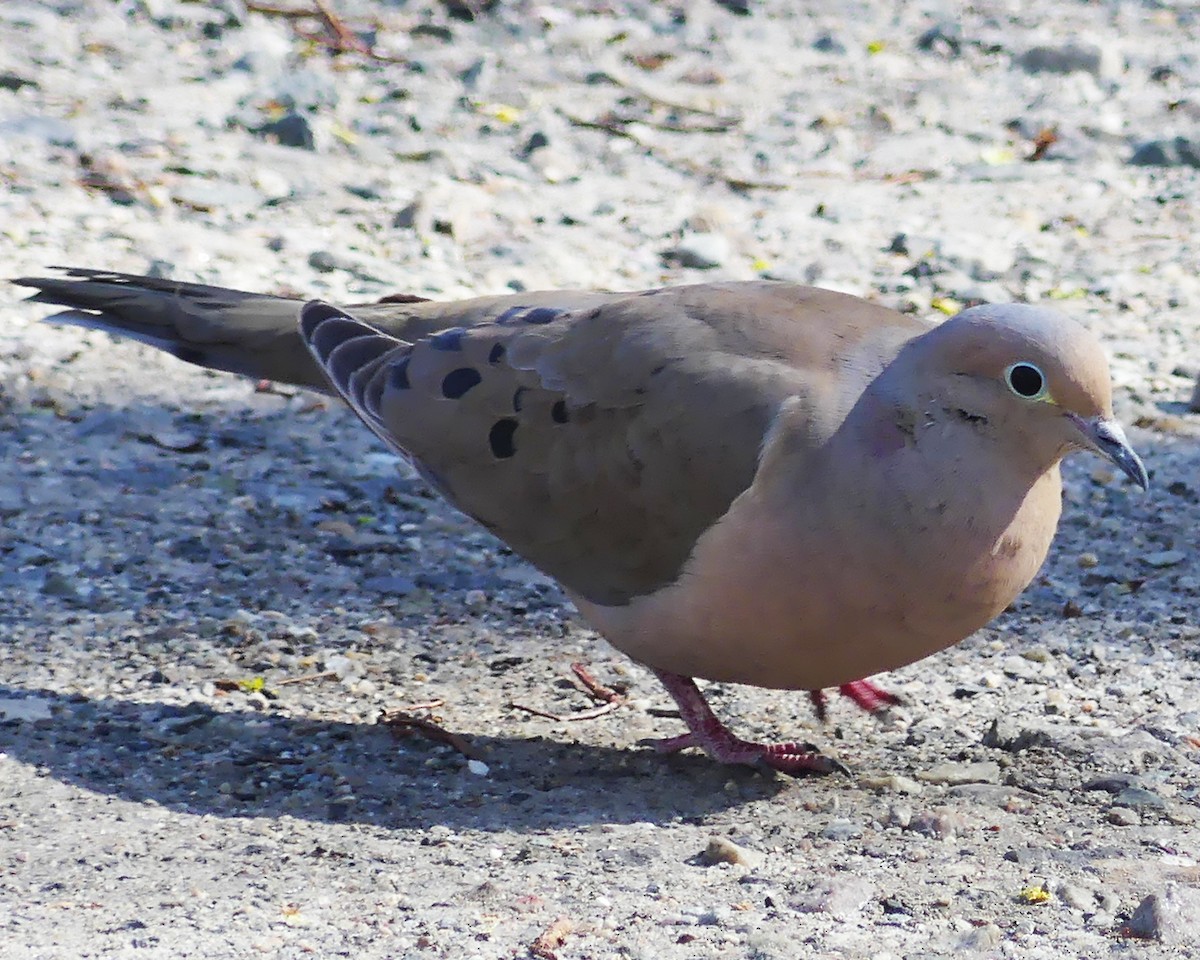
[715,739]
[866,695]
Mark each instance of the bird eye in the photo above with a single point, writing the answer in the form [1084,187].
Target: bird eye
[1026,380]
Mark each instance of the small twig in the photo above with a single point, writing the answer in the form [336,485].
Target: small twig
[614,127]
[324,675]
[342,39]
[347,39]
[622,79]
[591,714]
[400,722]
[552,937]
[615,123]
[1045,139]
[609,699]
[909,176]
[412,707]
[270,10]
[593,686]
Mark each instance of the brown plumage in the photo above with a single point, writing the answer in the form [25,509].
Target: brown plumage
[752,482]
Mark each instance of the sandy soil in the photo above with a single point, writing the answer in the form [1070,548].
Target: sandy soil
[208,594]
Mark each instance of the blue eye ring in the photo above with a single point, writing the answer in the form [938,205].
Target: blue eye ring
[1026,380]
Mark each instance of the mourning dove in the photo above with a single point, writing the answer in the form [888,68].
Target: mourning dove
[758,483]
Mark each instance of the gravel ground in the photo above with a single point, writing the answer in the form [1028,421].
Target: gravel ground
[209,593]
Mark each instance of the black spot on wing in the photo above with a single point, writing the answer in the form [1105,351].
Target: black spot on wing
[536,315]
[497,353]
[510,316]
[541,315]
[559,413]
[501,438]
[518,399]
[448,340]
[458,382]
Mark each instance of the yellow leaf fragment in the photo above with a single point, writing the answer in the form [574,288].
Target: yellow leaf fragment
[345,134]
[947,305]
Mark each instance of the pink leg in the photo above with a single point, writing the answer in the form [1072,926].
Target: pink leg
[715,739]
[864,693]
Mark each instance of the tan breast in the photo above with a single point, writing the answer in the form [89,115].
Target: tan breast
[824,580]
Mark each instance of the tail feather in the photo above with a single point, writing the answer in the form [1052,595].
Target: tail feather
[221,329]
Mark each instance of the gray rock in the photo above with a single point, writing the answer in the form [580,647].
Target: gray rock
[393,585]
[1123,817]
[1015,734]
[984,771]
[1139,798]
[1171,917]
[1081,897]
[944,38]
[1164,558]
[841,896]
[828,43]
[699,251]
[201,193]
[899,815]
[941,822]
[323,261]
[290,130]
[1070,58]
[841,830]
[59,585]
[1179,152]
[986,937]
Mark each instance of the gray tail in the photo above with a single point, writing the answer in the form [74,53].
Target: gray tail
[222,329]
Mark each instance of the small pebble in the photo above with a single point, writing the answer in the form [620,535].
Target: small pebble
[842,897]
[1123,817]
[1068,58]
[700,251]
[724,850]
[942,823]
[1164,558]
[983,771]
[841,830]
[893,783]
[899,815]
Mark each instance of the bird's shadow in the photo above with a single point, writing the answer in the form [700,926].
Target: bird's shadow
[242,763]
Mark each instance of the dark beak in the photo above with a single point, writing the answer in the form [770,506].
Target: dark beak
[1108,439]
